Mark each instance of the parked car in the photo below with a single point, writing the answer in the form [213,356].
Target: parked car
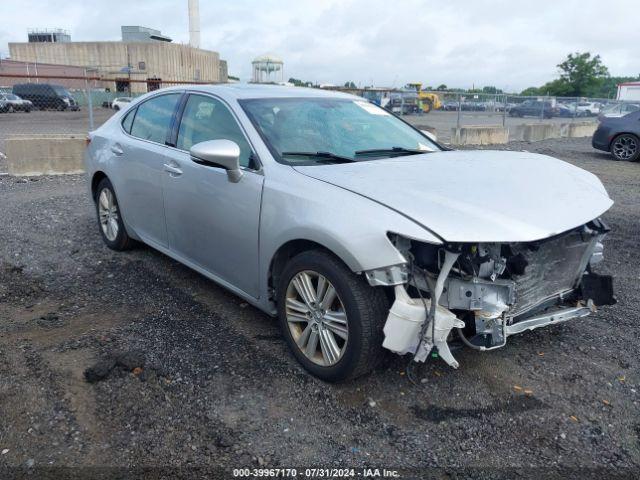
[120,102]
[620,136]
[46,96]
[450,105]
[618,110]
[533,108]
[584,109]
[13,103]
[564,110]
[589,109]
[352,227]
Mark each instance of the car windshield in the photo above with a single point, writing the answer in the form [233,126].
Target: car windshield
[314,131]
[61,91]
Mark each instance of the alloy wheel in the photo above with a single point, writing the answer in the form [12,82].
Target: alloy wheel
[625,147]
[316,318]
[108,213]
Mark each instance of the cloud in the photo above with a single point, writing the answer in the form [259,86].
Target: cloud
[495,42]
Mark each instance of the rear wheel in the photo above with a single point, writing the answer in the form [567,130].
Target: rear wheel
[626,147]
[331,318]
[110,221]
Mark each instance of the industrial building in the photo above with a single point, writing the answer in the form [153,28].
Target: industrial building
[143,61]
[629,91]
[13,72]
[148,62]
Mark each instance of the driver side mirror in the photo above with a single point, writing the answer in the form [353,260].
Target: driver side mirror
[219,153]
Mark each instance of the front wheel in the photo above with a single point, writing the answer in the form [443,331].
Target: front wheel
[331,318]
[110,221]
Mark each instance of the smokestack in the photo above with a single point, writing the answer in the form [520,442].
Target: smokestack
[194,23]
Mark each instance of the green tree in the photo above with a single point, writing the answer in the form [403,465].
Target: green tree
[608,87]
[442,87]
[530,92]
[350,85]
[581,74]
[491,89]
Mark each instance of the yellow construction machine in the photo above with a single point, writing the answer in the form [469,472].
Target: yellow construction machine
[428,101]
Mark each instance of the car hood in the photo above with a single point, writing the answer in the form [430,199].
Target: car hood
[476,196]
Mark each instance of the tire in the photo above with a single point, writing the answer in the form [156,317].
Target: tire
[113,231]
[11,109]
[363,308]
[626,147]
[116,108]
[427,106]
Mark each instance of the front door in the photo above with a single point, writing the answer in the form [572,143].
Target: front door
[211,221]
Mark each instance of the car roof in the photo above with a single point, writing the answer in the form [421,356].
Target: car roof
[241,91]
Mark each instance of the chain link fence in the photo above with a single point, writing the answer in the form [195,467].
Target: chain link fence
[32,104]
[444,110]
[56,105]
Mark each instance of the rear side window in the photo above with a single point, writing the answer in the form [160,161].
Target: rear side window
[128,120]
[153,120]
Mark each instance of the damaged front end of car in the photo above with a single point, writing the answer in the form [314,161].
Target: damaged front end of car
[490,291]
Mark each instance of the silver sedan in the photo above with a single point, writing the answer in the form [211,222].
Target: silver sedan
[357,230]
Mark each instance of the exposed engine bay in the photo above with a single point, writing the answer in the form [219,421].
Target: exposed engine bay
[489,291]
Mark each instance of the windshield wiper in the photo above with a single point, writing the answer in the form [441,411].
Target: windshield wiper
[327,156]
[392,150]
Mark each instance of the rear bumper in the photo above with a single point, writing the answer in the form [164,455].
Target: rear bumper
[600,140]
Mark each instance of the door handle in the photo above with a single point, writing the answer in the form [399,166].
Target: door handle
[117,149]
[172,170]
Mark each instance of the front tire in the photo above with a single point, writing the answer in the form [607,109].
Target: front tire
[330,317]
[112,229]
[626,147]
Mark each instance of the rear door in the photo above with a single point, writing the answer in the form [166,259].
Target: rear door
[212,222]
[141,156]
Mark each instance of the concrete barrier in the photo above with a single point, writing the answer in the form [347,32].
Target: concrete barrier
[534,132]
[29,155]
[582,129]
[479,135]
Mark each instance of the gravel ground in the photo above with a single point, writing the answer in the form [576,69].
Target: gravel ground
[217,388]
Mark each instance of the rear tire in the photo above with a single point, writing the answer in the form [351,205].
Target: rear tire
[626,147]
[354,317]
[110,224]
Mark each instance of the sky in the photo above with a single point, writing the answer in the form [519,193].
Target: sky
[508,44]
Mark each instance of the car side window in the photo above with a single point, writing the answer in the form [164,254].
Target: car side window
[206,118]
[153,120]
[128,120]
